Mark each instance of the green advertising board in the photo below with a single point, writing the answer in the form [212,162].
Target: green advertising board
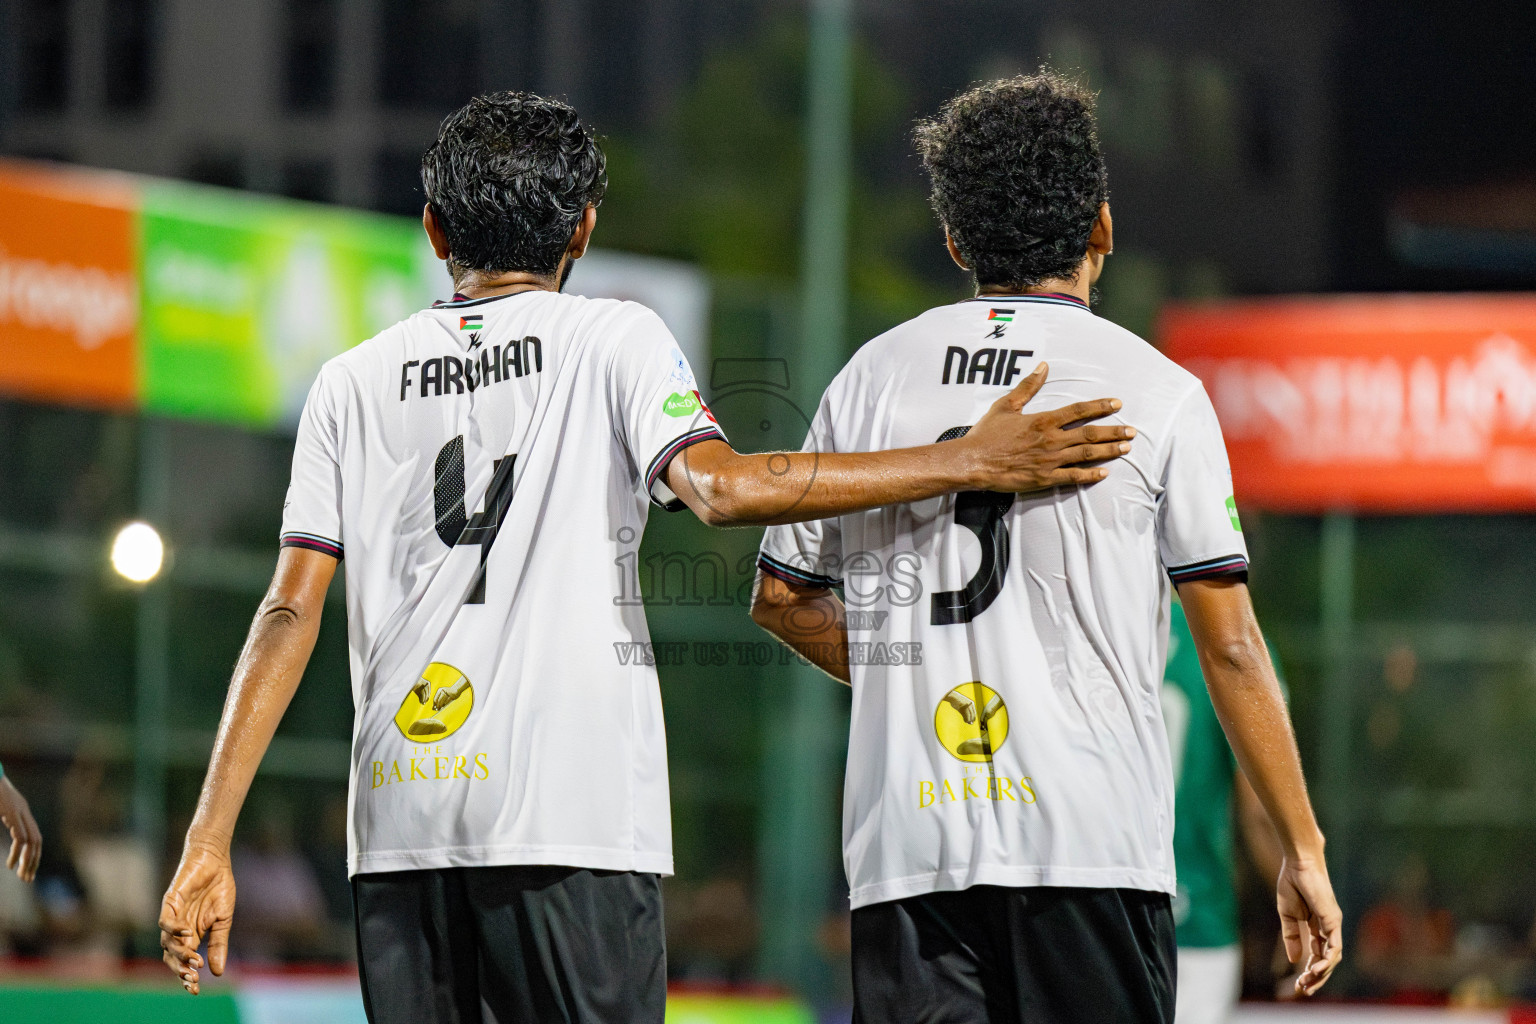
[213,304]
[244,297]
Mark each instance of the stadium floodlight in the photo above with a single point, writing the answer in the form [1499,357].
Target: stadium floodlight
[138,552]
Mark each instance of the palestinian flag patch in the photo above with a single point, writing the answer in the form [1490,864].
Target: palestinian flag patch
[471,323]
[1005,315]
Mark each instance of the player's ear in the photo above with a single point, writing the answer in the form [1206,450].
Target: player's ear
[435,233]
[954,250]
[582,234]
[1101,240]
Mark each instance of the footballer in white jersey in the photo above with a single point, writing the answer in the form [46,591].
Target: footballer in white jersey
[1008,807]
[433,456]
[1006,726]
[480,470]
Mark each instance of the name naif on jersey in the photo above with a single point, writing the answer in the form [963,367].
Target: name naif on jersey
[991,365]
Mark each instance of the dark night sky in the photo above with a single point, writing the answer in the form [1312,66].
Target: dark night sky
[1430,93]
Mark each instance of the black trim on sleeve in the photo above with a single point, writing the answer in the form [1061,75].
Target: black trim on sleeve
[789,574]
[668,453]
[1235,566]
[314,542]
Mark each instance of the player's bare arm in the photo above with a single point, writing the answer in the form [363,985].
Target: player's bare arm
[808,619]
[1259,836]
[26,841]
[1247,698]
[201,898]
[1004,451]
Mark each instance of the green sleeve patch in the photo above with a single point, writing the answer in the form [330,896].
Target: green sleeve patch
[680,403]
[1231,511]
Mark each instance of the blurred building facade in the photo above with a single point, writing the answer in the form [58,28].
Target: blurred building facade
[1215,116]
[330,100]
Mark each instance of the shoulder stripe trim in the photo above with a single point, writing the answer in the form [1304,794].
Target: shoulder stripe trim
[313,542]
[665,456]
[789,574]
[1228,565]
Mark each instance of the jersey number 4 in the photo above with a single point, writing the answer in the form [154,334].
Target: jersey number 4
[982,513]
[454,525]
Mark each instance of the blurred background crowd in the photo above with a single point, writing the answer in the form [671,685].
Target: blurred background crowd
[1263,148]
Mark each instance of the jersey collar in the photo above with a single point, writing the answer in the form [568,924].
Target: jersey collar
[1053,298]
[460,301]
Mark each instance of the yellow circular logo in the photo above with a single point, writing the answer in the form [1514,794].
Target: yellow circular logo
[437,705]
[971,722]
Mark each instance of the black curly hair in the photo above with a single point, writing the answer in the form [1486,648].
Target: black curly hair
[509,177]
[1017,177]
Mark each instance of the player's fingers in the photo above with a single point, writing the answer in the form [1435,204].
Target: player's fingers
[1097,433]
[1290,931]
[176,934]
[171,922]
[185,969]
[218,946]
[1094,452]
[1026,389]
[34,847]
[34,857]
[1078,411]
[1312,979]
[12,823]
[182,966]
[1069,476]
[183,948]
[1330,938]
[1323,957]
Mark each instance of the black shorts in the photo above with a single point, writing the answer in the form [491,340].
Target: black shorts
[511,945]
[1040,955]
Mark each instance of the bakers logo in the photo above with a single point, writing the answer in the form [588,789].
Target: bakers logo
[434,709]
[971,723]
[437,705]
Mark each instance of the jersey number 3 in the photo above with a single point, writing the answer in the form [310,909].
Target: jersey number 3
[454,525]
[982,513]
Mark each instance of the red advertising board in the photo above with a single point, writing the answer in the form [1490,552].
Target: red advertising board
[68,289]
[1392,403]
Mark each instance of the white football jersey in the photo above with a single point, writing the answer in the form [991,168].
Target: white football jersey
[1007,650]
[484,466]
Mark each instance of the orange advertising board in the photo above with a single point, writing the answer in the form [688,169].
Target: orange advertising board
[68,287]
[1392,403]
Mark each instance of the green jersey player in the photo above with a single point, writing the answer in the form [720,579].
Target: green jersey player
[1206,781]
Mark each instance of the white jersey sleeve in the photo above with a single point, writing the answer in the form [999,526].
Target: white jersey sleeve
[1199,535]
[807,554]
[659,410]
[312,510]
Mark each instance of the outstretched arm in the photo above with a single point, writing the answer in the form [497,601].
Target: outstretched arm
[808,619]
[1247,698]
[201,898]
[1004,451]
